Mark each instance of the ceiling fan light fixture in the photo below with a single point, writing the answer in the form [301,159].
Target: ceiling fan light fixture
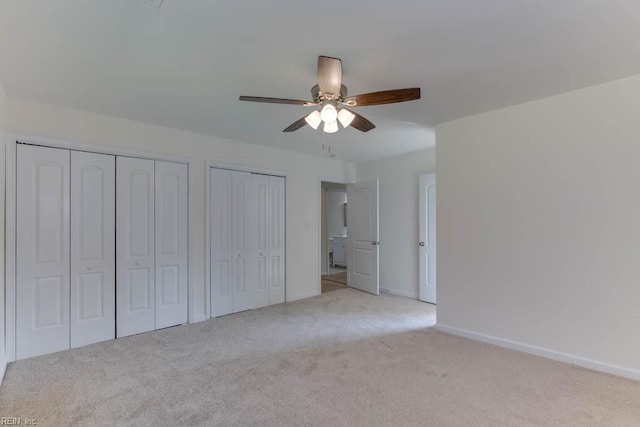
[314,119]
[329,113]
[345,117]
[330,127]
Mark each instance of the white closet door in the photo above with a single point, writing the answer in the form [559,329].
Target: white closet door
[42,251]
[135,251]
[241,209]
[258,230]
[171,244]
[221,253]
[93,263]
[276,239]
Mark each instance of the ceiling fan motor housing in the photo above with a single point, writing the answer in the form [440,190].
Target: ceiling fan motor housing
[319,97]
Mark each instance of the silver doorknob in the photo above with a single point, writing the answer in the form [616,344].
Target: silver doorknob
[421,243]
[375,243]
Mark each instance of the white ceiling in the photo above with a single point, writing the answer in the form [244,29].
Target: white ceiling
[184,64]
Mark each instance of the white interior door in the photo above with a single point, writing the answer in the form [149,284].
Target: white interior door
[221,251]
[427,245]
[362,235]
[276,239]
[241,211]
[42,251]
[171,243]
[259,230]
[93,252]
[135,250]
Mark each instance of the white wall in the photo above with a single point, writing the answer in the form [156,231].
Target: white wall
[303,172]
[3,116]
[539,226]
[335,213]
[399,268]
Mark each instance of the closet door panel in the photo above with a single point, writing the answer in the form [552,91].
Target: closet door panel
[243,292]
[42,249]
[171,244]
[135,206]
[93,284]
[276,239]
[259,238]
[221,250]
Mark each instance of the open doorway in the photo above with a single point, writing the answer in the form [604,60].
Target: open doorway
[333,246]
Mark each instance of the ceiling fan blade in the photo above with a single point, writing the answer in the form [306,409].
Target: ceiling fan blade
[361,123]
[384,97]
[296,125]
[277,100]
[329,76]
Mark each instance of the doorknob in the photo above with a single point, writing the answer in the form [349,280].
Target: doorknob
[375,243]
[137,264]
[421,243]
[89,268]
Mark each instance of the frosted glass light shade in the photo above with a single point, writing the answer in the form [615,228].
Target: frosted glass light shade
[328,113]
[345,117]
[313,119]
[331,127]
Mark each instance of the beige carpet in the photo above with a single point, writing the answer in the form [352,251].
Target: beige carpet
[341,359]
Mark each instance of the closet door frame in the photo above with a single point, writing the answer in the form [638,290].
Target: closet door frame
[210,164]
[196,309]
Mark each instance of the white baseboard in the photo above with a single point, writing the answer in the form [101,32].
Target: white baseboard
[583,362]
[398,293]
[302,296]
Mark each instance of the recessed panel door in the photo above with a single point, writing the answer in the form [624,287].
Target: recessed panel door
[259,232]
[135,225]
[427,244]
[241,209]
[363,244]
[42,251]
[93,263]
[276,239]
[220,240]
[171,244]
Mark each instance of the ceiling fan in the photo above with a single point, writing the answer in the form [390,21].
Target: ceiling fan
[331,96]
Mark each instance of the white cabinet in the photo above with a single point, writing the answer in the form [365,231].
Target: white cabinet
[339,245]
[247,241]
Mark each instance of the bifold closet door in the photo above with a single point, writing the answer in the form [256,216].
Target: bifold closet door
[220,238]
[93,263]
[42,251]
[171,243]
[135,245]
[259,230]
[276,239]
[241,211]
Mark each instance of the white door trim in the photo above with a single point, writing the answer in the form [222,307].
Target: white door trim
[10,201]
[332,180]
[209,164]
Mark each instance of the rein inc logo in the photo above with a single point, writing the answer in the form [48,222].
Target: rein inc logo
[18,421]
